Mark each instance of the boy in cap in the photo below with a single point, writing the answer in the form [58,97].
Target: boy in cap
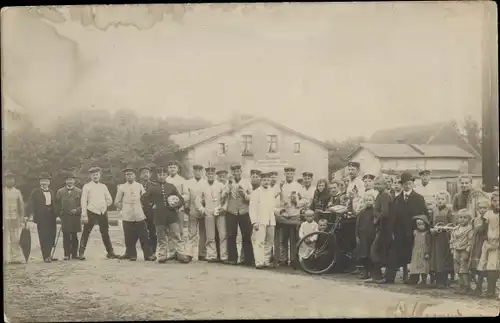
[426,188]
[13,216]
[196,244]
[145,180]
[68,206]
[95,202]
[262,214]
[41,205]
[128,202]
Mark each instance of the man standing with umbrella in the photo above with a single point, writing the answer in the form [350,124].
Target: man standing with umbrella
[68,205]
[41,205]
[13,213]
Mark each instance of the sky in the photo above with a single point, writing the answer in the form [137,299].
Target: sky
[328,70]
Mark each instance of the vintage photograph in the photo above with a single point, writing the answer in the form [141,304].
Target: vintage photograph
[250,161]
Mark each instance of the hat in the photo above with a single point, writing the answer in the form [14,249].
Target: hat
[309,212]
[197,167]
[44,175]
[421,217]
[273,173]
[255,172]
[406,177]
[129,168]
[235,167]
[289,169]
[143,167]
[8,174]
[210,169]
[161,169]
[307,174]
[265,175]
[369,176]
[353,164]
[94,169]
[173,162]
[424,172]
[222,171]
[69,174]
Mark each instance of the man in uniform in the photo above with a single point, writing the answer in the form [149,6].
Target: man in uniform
[13,216]
[425,187]
[255,178]
[196,229]
[308,188]
[180,183]
[221,178]
[274,185]
[356,188]
[166,217]
[95,202]
[369,182]
[238,198]
[145,180]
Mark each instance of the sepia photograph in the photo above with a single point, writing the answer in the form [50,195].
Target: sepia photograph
[236,161]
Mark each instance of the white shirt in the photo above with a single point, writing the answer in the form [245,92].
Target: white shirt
[212,196]
[128,197]
[309,193]
[195,190]
[95,198]
[428,191]
[181,184]
[405,194]
[262,206]
[358,183]
[48,198]
[306,228]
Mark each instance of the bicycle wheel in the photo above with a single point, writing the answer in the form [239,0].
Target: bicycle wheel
[316,253]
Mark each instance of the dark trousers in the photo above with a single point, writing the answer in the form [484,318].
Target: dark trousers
[151,231]
[70,244]
[102,221]
[133,231]
[232,223]
[47,235]
[288,233]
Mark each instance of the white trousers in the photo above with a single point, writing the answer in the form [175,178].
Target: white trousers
[219,222]
[263,242]
[196,242]
[11,248]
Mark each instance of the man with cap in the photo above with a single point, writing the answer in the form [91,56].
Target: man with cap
[308,188]
[426,188]
[167,201]
[356,186]
[42,207]
[292,201]
[69,209]
[211,201]
[404,207]
[274,184]
[128,202]
[145,180]
[369,182]
[196,244]
[262,211]
[222,178]
[13,217]
[255,178]
[179,182]
[238,198]
[95,202]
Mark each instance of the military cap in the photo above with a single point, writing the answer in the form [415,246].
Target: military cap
[289,169]
[273,173]
[161,169]
[406,177]
[210,169]
[129,168]
[353,164]
[197,166]
[265,175]
[44,175]
[255,172]
[8,174]
[143,167]
[369,176]
[222,171]
[307,174]
[94,169]
[235,167]
[424,172]
[173,162]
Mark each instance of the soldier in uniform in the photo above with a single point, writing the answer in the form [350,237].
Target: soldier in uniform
[13,216]
[308,188]
[145,180]
[222,178]
[369,181]
[255,178]
[68,207]
[356,187]
[166,217]
[196,229]
[426,188]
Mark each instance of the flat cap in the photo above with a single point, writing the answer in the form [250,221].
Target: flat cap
[197,166]
[161,169]
[255,172]
[143,167]
[221,171]
[94,169]
[421,217]
[369,176]
[307,174]
[289,169]
[265,175]
[353,164]
[235,167]
[424,172]
[129,168]
[273,173]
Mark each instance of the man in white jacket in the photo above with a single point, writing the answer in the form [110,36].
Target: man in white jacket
[262,210]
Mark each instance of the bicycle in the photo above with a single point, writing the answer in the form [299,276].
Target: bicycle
[319,252]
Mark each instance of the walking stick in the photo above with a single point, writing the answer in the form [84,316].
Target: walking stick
[55,244]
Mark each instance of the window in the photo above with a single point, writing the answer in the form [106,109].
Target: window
[272,142]
[222,148]
[296,147]
[247,143]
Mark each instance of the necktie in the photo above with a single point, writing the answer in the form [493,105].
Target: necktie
[406,197]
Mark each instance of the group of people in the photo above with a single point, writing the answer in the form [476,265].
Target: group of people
[398,222]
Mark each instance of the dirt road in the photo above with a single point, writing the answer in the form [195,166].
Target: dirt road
[101,289]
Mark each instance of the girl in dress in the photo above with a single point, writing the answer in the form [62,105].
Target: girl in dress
[441,262]
[420,255]
[479,227]
[461,244]
[489,263]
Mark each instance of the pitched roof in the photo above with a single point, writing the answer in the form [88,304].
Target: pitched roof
[412,151]
[190,139]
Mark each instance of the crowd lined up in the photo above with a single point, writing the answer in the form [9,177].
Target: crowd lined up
[399,223]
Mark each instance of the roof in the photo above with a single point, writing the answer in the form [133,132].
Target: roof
[412,151]
[190,139]
[10,105]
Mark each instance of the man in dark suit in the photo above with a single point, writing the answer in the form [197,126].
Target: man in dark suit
[145,175]
[41,207]
[404,207]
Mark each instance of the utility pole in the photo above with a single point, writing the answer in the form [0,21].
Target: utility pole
[489,102]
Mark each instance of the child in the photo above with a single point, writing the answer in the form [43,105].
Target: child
[420,255]
[479,227]
[365,234]
[441,262]
[489,262]
[307,227]
[460,245]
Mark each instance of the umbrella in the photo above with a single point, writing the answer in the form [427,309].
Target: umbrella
[57,239]
[25,241]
